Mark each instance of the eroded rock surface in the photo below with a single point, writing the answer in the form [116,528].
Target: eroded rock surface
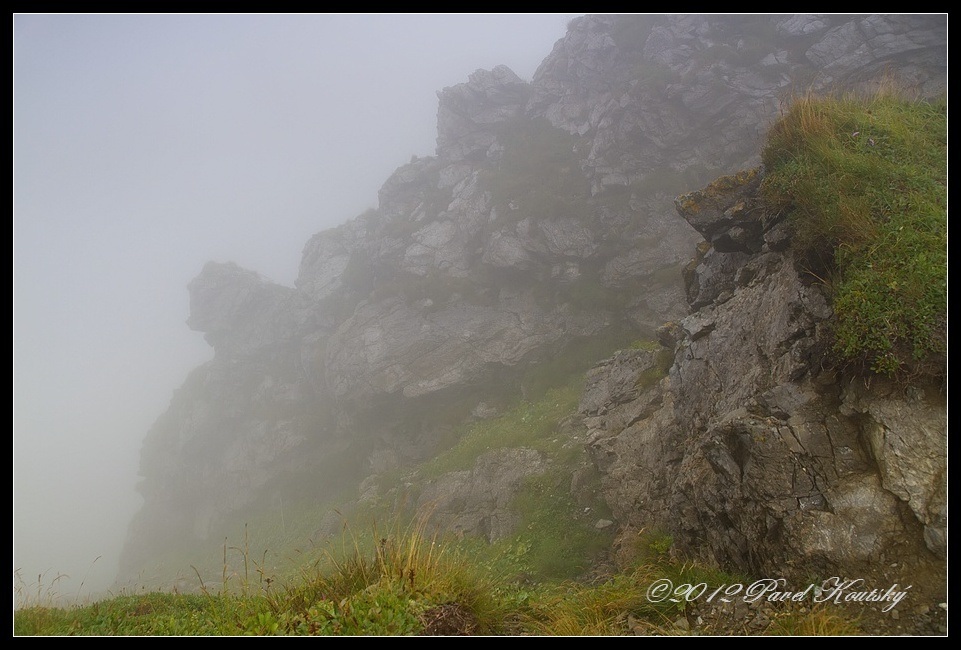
[749,450]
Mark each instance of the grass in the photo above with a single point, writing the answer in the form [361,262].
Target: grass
[282,533]
[388,583]
[528,424]
[555,540]
[403,581]
[381,582]
[816,621]
[274,541]
[573,609]
[864,182]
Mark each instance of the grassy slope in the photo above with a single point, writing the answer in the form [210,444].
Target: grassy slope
[865,184]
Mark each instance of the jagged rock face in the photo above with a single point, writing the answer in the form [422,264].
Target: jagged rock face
[324,265]
[675,100]
[749,451]
[467,112]
[905,432]
[545,217]
[857,50]
[395,347]
[239,312]
[240,421]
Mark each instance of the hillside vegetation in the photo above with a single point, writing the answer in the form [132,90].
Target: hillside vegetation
[865,185]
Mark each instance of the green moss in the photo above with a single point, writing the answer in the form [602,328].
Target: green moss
[651,547]
[662,363]
[663,360]
[726,184]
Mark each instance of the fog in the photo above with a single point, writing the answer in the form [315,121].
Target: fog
[145,146]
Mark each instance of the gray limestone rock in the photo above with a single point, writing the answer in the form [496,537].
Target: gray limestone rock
[506,251]
[394,347]
[801,24]
[906,433]
[240,312]
[467,112]
[747,455]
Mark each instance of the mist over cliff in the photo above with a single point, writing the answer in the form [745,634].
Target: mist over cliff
[148,144]
[541,238]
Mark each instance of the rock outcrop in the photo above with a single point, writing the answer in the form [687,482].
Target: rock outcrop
[546,221]
[751,450]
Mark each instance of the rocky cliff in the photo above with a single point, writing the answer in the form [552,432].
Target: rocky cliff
[753,450]
[541,237]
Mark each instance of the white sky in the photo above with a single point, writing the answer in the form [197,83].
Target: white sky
[146,145]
